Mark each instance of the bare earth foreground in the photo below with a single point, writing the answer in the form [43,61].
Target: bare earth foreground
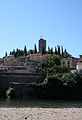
[64,112]
[40,113]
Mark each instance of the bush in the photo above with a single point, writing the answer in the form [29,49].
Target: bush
[10,93]
[62,86]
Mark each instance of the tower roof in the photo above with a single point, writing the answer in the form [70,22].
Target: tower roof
[41,38]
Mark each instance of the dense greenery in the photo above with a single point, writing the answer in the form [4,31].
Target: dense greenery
[59,86]
[18,52]
[53,66]
[59,50]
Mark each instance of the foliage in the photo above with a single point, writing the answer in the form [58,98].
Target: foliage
[58,50]
[54,59]
[63,86]
[57,86]
[80,56]
[10,93]
[25,50]
[17,52]
[10,53]
[62,50]
[5,53]
[50,50]
[13,52]
[53,66]
[35,49]
[30,51]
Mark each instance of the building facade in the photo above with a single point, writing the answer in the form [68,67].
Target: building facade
[71,62]
[79,65]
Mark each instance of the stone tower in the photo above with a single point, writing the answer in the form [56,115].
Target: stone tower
[42,44]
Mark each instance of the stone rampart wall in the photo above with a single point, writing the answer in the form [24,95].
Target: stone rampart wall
[6,78]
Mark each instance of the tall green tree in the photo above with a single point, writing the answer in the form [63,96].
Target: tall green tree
[62,52]
[80,56]
[5,53]
[54,60]
[19,53]
[35,49]
[51,50]
[58,50]
[65,51]
[13,52]
[25,50]
[10,53]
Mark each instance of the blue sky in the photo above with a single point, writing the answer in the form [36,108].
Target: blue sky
[22,22]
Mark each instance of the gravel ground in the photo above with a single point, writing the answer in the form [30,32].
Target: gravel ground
[40,113]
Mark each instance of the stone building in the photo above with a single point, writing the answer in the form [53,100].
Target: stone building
[71,62]
[42,45]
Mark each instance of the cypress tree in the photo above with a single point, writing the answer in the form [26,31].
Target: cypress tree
[51,50]
[48,50]
[13,52]
[62,50]
[10,53]
[65,51]
[5,53]
[25,50]
[35,49]
[56,51]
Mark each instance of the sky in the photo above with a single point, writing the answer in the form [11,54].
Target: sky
[22,22]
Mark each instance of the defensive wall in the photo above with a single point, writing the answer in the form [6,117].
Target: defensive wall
[19,79]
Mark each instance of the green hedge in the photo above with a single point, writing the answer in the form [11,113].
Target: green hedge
[60,86]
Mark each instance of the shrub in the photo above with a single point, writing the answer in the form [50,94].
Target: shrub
[10,93]
[66,86]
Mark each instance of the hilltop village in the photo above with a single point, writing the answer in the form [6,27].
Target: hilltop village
[28,63]
[41,73]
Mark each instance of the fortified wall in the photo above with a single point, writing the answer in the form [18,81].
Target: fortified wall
[18,78]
